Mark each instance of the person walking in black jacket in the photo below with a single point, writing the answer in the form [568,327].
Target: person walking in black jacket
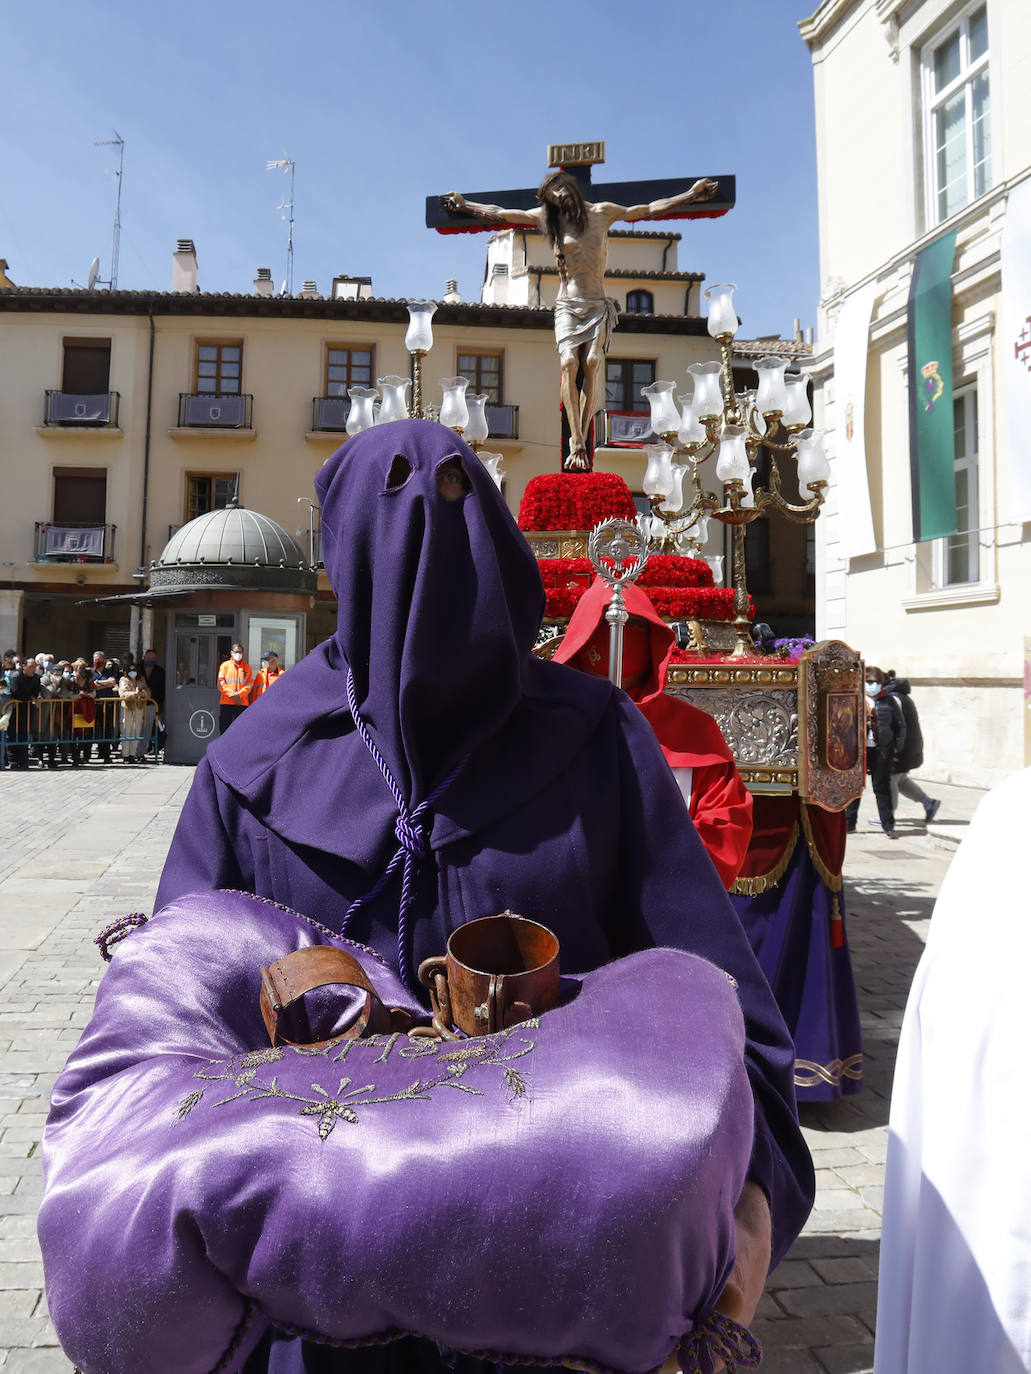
[885,744]
[913,752]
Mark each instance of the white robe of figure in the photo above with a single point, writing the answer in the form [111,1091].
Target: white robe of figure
[954,1292]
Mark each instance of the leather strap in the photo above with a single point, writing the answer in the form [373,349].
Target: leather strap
[289,978]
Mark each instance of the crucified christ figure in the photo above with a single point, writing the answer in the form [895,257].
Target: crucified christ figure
[578,231]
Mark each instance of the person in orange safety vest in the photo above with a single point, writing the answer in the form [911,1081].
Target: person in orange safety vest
[235,681]
[267,673]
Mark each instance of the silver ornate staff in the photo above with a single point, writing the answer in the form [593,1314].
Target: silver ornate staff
[618,551]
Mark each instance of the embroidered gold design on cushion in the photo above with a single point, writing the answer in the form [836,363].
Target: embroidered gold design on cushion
[329,1108]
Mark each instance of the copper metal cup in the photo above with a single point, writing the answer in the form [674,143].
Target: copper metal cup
[497,972]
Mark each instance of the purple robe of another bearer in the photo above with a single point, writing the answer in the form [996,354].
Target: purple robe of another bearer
[563,807]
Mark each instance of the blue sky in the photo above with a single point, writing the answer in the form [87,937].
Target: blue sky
[380,107]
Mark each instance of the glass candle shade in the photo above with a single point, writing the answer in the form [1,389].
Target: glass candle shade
[722,315]
[707,401]
[419,338]
[797,410]
[812,461]
[361,414]
[772,393]
[715,562]
[453,410]
[476,427]
[674,502]
[699,531]
[690,431]
[492,462]
[658,475]
[665,415]
[394,405]
[732,463]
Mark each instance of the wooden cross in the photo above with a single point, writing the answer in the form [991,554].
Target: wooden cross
[576,160]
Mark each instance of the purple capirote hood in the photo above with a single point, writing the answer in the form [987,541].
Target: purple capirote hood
[439,601]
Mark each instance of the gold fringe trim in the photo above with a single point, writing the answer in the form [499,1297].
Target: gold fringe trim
[832,880]
[809,1074]
[762,882]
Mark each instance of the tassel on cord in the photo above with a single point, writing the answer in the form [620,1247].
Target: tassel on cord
[116,932]
[720,1338]
[410,829]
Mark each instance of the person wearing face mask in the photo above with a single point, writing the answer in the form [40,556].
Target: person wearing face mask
[55,727]
[885,743]
[235,681]
[132,690]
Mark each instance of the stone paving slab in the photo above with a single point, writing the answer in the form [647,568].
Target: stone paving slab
[65,872]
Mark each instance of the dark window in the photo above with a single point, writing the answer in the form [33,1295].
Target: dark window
[757,557]
[219,368]
[80,496]
[346,367]
[485,374]
[624,380]
[87,367]
[208,491]
[640,303]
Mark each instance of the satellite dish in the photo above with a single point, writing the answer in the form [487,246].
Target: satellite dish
[282,287]
[94,273]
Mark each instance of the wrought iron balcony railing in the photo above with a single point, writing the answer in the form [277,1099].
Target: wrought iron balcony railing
[66,409]
[65,542]
[199,410]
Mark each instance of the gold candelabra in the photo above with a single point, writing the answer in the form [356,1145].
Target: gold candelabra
[717,422]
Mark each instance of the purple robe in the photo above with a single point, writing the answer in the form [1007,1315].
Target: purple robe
[563,808]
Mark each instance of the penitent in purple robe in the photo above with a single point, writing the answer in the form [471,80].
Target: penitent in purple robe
[561,807]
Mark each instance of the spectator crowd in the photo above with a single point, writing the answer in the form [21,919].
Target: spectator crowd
[66,711]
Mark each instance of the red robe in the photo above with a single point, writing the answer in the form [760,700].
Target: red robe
[720,804]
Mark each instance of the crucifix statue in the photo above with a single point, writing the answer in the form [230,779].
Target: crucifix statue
[577,229]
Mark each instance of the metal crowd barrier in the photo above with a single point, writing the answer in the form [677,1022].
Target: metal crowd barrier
[45,731]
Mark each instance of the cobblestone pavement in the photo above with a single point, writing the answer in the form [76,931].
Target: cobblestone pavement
[76,852]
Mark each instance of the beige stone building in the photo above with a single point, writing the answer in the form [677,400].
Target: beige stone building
[125,414]
[923,129]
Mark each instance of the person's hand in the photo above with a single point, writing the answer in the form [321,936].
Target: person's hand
[754,1234]
[453,201]
[704,189]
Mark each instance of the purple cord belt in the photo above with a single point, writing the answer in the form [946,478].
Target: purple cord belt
[410,829]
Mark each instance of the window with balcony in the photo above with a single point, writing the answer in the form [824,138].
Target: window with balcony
[207,491]
[640,303]
[77,531]
[958,115]
[345,366]
[485,373]
[85,397]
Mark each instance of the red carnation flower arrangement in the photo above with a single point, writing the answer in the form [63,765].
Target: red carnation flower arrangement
[574,501]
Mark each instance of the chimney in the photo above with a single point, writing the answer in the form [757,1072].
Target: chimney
[798,330]
[263,283]
[309,291]
[451,296]
[499,284]
[184,267]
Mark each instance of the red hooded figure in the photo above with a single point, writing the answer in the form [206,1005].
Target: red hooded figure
[717,800]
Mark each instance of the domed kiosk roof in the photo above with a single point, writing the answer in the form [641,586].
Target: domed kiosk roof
[233,547]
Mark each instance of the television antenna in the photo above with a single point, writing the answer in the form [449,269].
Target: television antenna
[287,164]
[117,142]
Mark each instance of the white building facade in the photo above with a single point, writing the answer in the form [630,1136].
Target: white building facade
[923,130]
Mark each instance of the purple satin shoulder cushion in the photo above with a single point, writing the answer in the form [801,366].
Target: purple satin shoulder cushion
[562,1190]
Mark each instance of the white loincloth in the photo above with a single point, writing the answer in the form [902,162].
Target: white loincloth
[580,322]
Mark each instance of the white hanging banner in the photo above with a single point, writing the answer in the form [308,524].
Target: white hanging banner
[851,348]
[1015,342]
